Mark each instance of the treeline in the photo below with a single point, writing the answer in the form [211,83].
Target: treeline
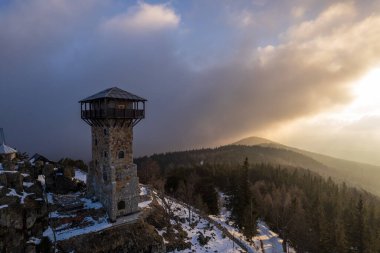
[310,213]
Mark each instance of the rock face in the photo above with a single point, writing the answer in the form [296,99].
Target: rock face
[137,237]
[23,213]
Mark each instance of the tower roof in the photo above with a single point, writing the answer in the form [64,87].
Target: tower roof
[4,149]
[115,93]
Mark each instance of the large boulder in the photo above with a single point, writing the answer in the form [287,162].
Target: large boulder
[11,179]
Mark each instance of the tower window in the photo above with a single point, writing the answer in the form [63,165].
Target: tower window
[121,205]
[96,162]
[96,142]
[104,175]
[105,130]
[121,155]
[105,154]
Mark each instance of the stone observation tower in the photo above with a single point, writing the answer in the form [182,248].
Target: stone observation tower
[112,178]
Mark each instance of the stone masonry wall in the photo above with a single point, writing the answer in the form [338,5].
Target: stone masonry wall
[113,176]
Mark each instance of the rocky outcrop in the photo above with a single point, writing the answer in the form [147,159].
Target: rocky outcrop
[23,213]
[24,217]
[137,237]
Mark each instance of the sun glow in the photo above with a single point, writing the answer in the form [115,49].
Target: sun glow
[366,101]
[350,131]
[367,90]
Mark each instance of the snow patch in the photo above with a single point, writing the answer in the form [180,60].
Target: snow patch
[143,190]
[56,214]
[34,240]
[88,204]
[22,197]
[49,233]
[3,206]
[27,184]
[8,171]
[41,178]
[145,204]
[80,175]
[50,198]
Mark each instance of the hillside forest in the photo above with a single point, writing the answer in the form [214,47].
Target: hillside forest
[310,212]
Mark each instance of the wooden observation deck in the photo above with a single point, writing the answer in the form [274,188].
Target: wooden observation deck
[112,104]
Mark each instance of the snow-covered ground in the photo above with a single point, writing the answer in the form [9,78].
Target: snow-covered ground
[143,190]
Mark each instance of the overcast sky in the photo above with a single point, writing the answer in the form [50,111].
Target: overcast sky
[301,72]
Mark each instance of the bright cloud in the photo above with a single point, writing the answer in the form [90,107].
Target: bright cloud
[144,17]
[325,23]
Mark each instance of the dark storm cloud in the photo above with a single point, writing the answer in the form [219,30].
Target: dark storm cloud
[53,53]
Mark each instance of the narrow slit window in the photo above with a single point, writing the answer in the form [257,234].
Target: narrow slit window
[121,155]
[104,175]
[121,205]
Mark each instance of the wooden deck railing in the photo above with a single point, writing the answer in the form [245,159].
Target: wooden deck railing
[113,114]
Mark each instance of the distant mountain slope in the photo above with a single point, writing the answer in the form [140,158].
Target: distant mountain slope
[253,140]
[358,174]
[234,155]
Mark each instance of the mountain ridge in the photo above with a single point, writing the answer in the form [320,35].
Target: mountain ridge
[254,140]
[360,174]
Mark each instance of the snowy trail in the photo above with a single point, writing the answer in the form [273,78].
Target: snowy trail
[266,241]
[271,242]
[243,244]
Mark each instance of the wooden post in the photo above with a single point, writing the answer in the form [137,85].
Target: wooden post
[105,108]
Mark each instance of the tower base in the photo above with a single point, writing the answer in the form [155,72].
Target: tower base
[120,196]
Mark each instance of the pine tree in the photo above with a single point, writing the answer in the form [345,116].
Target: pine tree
[340,237]
[359,225]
